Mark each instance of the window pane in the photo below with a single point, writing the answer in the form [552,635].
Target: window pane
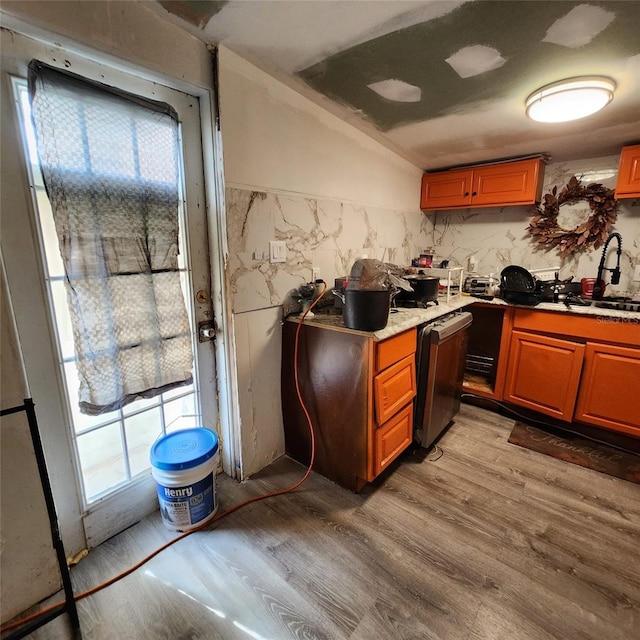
[55,266]
[139,404]
[180,414]
[71,132]
[109,139]
[102,460]
[178,391]
[63,319]
[81,421]
[142,430]
[157,151]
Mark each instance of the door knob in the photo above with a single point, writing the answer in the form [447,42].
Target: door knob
[206,330]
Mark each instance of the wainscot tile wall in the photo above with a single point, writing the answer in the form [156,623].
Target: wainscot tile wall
[322,233]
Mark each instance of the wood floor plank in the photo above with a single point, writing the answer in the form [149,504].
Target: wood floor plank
[488,542]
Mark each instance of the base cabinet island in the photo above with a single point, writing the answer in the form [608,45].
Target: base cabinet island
[359,393]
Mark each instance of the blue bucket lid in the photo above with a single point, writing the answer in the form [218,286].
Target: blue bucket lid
[184,449]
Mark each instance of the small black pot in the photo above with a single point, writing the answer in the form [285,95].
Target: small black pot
[425,289]
[365,310]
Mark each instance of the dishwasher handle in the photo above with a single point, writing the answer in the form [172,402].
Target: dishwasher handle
[441,331]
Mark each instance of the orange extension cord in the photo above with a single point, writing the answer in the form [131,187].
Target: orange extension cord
[216,518]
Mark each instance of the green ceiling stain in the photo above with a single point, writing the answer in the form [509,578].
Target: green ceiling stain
[196,12]
[417,55]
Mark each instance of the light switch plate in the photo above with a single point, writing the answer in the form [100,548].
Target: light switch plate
[636,273]
[277,251]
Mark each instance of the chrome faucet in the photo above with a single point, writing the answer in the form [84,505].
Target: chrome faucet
[598,288]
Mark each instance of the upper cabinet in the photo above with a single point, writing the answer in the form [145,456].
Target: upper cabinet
[491,185]
[628,185]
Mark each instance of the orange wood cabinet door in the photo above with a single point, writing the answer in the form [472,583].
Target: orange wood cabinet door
[446,189]
[392,438]
[511,183]
[628,184]
[508,183]
[610,388]
[394,388]
[543,374]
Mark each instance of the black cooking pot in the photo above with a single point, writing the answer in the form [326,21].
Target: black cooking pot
[365,310]
[425,289]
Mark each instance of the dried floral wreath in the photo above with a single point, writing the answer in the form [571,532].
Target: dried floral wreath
[594,231]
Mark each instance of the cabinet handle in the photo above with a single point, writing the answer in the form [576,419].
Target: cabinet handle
[466,193]
[475,193]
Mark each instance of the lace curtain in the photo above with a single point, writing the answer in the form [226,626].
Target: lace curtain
[110,162]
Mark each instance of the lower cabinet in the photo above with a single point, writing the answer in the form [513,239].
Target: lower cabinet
[610,388]
[359,394]
[488,349]
[544,374]
[575,368]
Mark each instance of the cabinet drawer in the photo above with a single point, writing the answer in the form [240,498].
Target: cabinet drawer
[394,388]
[394,349]
[392,438]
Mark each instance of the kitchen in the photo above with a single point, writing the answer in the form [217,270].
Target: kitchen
[333,194]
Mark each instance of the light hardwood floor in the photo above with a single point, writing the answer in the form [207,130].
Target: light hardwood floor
[488,542]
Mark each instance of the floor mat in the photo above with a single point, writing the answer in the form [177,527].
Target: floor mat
[578,450]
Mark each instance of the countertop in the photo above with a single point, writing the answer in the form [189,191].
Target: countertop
[403,319]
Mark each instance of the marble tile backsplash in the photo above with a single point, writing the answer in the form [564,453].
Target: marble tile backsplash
[495,238]
[322,233]
[331,235]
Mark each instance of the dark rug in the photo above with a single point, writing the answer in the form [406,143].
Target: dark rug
[578,450]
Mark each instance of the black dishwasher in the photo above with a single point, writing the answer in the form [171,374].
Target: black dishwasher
[440,360]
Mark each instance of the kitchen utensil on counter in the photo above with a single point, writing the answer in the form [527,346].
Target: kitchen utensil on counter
[365,310]
[518,286]
[558,290]
[481,286]
[425,289]
[587,285]
[340,284]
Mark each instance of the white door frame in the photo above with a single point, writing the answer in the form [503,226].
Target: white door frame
[36,336]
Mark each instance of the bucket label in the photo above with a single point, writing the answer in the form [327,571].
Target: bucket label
[187,505]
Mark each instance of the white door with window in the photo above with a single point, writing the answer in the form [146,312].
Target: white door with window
[108,462]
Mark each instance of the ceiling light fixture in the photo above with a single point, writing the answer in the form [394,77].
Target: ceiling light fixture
[570,99]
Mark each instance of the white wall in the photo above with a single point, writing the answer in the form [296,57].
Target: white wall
[276,139]
[122,32]
[296,173]
[28,563]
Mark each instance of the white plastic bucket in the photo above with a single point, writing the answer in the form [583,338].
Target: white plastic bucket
[183,464]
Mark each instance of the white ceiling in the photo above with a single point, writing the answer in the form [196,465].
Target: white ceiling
[463,68]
